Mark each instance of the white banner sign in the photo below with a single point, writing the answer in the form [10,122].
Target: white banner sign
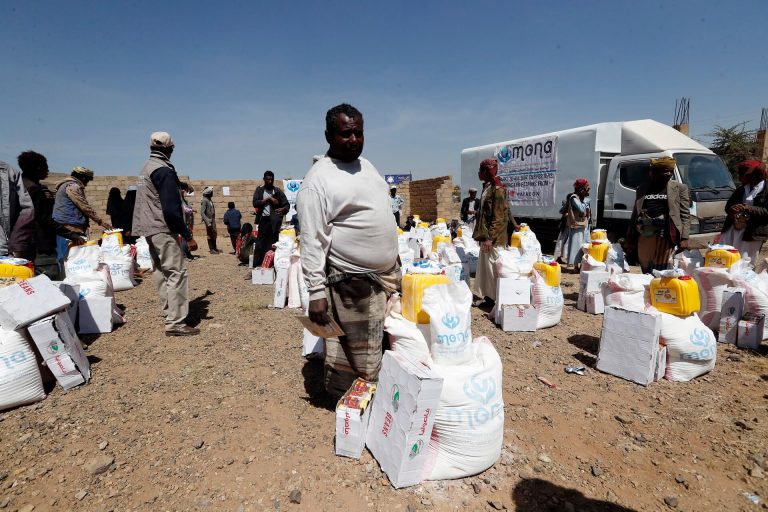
[291,191]
[528,171]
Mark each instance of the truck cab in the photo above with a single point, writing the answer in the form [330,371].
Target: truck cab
[708,180]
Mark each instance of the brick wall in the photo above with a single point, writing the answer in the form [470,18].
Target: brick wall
[429,198]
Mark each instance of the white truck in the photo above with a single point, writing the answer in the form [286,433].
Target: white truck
[539,172]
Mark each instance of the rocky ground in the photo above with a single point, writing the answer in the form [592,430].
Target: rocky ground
[230,420]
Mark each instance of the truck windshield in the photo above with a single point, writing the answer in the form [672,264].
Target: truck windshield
[703,171]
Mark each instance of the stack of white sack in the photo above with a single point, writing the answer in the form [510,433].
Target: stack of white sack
[756,290]
[691,347]
[512,262]
[469,423]
[121,266]
[712,283]
[548,301]
[143,258]
[627,291]
[20,380]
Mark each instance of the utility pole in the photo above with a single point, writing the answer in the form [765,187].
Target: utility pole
[760,138]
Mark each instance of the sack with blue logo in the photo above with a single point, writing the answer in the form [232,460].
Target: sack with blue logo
[691,347]
[20,381]
[450,320]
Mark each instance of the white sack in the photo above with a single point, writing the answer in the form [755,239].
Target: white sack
[82,259]
[294,276]
[589,263]
[121,271]
[615,261]
[20,381]
[93,283]
[405,337]
[548,301]
[512,263]
[689,260]
[691,347]
[712,282]
[143,259]
[448,255]
[530,245]
[450,321]
[469,424]
[110,245]
[627,291]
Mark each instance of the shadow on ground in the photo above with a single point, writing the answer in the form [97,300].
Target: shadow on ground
[585,342]
[198,309]
[314,386]
[536,495]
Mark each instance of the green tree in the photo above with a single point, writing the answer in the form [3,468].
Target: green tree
[734,144]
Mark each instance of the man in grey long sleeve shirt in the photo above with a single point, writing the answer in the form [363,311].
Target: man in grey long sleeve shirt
[348,250]
[208,213]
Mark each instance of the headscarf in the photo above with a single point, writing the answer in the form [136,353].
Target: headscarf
[749,166]
[492,166]
[83,171]
[666,162]
[208,191]
[580,185]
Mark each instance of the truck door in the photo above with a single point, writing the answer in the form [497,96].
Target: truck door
[621,186]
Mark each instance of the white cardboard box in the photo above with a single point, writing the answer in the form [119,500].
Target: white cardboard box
[629,345]
[72,291]
[513,290]
[281,288]
[312,344]
[661,363]
[590,281]
[402,417]
[730,313]
[351,429]
[29,301]
[595,303]
[263,276]
[60,348]
[95,315]
[518,318]
[750,333]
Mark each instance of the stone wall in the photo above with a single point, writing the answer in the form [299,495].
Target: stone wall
[429,198]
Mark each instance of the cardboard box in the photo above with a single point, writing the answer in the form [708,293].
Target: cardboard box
[351,427]
[730,313]
[402,417]
[281,288]
[72,291]
[28,301]
[513,290]
[750,331]
[595,303]
[95,315]
[61,350]
[518,318]
[629,345]
[263,276]
[590,281]
[312,344]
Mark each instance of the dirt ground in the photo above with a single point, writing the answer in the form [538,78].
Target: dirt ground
[230,420]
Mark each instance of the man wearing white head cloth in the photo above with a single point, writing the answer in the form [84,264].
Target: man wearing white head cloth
[158,216]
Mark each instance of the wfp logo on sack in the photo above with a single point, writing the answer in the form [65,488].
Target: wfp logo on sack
[416,449]
[451,322]
[701,337]
[395,396]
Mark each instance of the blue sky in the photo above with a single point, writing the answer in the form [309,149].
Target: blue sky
[244,86]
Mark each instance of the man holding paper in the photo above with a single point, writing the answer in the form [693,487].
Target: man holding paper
[348,254]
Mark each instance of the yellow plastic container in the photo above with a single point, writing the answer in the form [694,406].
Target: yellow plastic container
[598,249]
[458,232]
[10,274]
[675,295]
[439,238]
[517,239]
[117,234]
[89,242]
[721,258]
[289,232]
[413,291]
[439,220]
[598,234]
[550,271]
[422,225]
[399,231]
